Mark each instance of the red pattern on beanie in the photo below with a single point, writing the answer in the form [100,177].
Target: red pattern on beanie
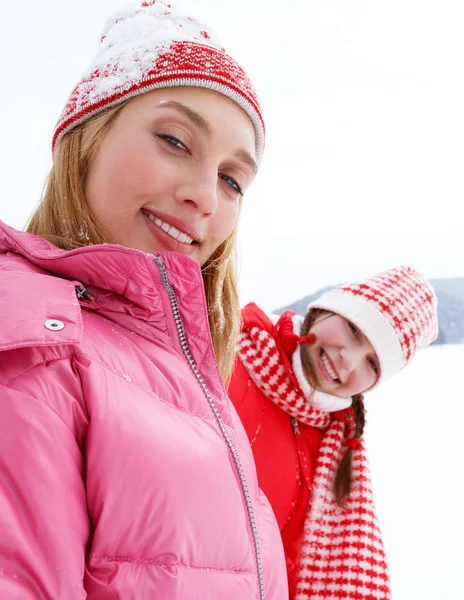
[396,310]
[407,301]
[152,48]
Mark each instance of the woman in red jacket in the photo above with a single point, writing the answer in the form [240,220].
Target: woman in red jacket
[297,386]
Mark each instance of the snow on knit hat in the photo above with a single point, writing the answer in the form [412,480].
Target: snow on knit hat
[151,45]
[396,310]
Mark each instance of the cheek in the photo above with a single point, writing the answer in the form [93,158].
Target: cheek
[220,228]
[225,220]
[120,174]
[129,175]
[232,217]
[365,380]
[327,336]
[372,380]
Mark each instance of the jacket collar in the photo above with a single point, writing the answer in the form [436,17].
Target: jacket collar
[125,287]
[118,278]
[124,284]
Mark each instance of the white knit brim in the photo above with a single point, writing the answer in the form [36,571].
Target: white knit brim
[373,325]
[183,81]
[134,39]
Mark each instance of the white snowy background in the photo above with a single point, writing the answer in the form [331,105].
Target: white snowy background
[363,170]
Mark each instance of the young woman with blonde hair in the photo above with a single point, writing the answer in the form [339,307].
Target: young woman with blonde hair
[124,469]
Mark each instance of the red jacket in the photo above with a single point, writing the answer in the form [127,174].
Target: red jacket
[285,455]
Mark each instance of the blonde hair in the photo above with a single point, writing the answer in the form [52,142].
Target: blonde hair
[64,218]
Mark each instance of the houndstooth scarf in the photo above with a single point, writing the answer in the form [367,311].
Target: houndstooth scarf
[342,555]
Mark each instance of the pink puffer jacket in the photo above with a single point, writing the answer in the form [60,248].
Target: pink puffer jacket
[124,470]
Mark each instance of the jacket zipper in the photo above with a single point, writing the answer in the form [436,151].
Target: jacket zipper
[296,429]
[241,473]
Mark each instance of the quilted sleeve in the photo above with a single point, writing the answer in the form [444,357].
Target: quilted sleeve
[44,525]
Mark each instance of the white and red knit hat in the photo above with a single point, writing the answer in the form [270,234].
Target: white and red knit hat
[396,311]
[151,45]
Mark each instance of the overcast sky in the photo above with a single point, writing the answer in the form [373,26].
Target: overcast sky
[363,102]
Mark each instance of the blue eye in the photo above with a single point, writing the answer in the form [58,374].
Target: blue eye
[173,141]
[232,183]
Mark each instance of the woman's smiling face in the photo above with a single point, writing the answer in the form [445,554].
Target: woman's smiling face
[169,174]
[344,361]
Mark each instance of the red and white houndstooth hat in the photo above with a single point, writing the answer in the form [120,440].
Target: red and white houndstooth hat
[396,310]
[151,45]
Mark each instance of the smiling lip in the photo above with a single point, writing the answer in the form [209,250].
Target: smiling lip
[177,223]
[324,371]
[168,243]
[332,365]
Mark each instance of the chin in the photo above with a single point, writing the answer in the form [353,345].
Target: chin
[342,394]
[336,393]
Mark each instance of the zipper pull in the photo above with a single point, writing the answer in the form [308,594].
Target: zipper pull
[82,293]
[296,429]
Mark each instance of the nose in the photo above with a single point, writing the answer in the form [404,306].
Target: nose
[350,358]
[199,190]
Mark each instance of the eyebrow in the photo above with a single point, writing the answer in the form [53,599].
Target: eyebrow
[205,127]
[193,116]
[246,157]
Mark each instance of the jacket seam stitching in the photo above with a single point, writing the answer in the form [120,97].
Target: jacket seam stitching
[103,312]
[155,563]
[44,404]
[126,283]
[77,356]
[33,366]
[34,343]
[149,392]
